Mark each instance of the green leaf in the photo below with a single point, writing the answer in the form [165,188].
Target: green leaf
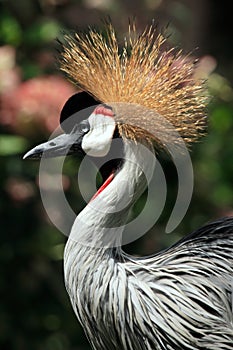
[221,118]
[11,144]
[42,32]
[10,31]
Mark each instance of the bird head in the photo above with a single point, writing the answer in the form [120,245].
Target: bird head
[89,128]
[141,92]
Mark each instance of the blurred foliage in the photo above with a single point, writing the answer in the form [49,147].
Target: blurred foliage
[11,144]
[35,312]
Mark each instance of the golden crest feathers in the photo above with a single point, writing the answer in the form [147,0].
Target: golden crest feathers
[148,88]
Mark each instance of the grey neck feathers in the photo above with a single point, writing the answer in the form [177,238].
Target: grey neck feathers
[101,223]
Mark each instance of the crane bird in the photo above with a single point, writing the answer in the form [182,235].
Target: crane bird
[180,298]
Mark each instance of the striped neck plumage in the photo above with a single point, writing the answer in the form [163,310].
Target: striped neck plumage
[102,221]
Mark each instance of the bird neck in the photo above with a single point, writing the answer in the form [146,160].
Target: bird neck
[100,225]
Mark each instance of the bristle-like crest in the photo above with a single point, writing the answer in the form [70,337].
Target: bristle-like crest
[141,81]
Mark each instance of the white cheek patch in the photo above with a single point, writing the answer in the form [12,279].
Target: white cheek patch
[97,141]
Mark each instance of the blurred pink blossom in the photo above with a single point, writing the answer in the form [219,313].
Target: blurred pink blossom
[35,103]
[19,189]
[9,73]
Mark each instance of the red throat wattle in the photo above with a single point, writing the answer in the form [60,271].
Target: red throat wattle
[105,184]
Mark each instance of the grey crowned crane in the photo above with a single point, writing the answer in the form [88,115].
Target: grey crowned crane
[177,299]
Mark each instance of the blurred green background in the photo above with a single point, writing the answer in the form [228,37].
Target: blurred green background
[35,312]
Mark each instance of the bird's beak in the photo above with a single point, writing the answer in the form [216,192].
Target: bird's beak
[61,145]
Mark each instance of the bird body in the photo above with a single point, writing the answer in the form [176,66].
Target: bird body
[177,299]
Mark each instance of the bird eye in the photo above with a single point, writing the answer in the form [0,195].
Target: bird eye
[84,126]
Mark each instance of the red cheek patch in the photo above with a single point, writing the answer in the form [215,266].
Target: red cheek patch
[107,112]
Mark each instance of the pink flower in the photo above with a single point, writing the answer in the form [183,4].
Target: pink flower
[34,104]
[9,73]
[19,190]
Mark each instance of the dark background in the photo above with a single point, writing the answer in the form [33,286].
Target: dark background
[35,312]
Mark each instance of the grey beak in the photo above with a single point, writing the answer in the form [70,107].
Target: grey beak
[61,145]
